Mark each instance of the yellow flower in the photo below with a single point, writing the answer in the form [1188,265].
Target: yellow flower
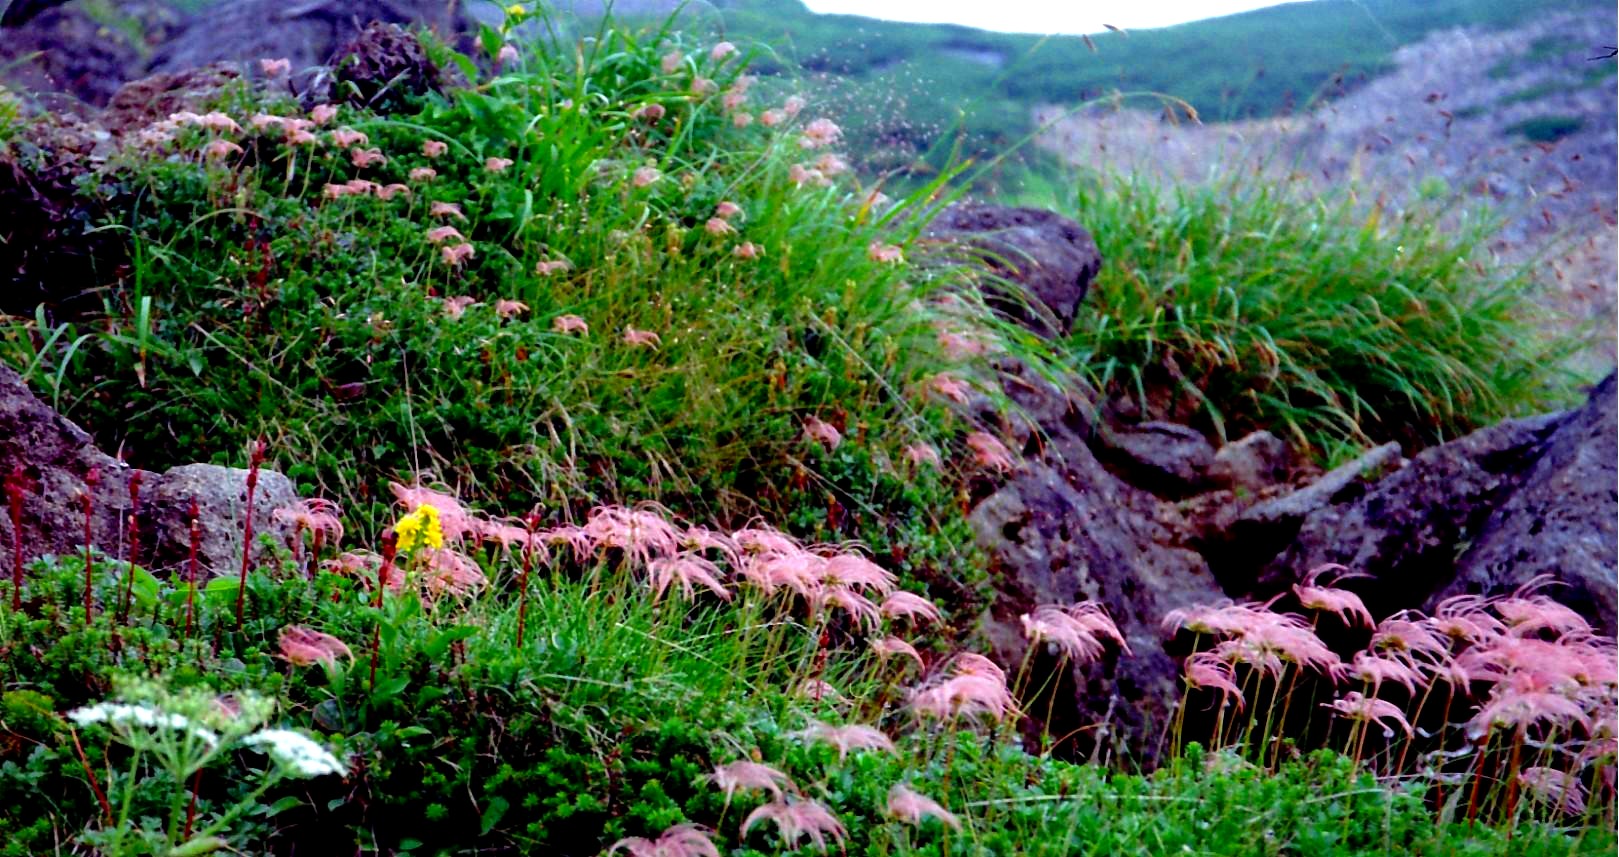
[419,529]
[516,12]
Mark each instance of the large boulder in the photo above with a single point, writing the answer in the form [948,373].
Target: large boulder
[1061,529]
[1049,259]
[50,464]
[1484,513]
[1559,523]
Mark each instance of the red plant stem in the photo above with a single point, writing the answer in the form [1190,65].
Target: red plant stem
[90,774]
[254,459]
[522,582]
[91,480]
[390,545]
[191,810]
[14,492]
[191,566]
[314,552]
[134,545]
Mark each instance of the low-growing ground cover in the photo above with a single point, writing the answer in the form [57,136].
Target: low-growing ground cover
[583,283]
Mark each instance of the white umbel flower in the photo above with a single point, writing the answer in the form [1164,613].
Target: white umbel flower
[296,751]
[121,714]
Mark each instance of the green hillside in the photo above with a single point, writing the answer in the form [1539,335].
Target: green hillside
[927,79]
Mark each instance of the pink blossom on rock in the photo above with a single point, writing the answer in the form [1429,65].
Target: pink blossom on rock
[990,453]
[275,67]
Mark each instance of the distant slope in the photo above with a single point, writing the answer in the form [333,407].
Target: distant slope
[1255,64]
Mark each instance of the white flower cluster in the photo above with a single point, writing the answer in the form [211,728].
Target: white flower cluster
[121,714]
[295,751]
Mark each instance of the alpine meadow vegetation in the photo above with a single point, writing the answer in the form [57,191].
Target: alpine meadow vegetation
[630,415]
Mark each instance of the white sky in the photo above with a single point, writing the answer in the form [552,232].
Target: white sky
[1040,16]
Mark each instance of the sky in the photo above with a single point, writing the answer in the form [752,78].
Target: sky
[1041,16]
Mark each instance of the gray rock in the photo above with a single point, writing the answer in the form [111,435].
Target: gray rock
[1560,521]
[1167,459]
[1295,507]
[1051,258]
[1062,529]
[1252,464]
[1405,530]
[221,497]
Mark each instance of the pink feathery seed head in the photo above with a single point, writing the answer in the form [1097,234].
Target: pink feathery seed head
[911,807]
[1243,651]
[1374,671]
[423,175]
[681,840]
[547,267]
[264,121]
[220,149]
[570,324]
[650,113]
[820,431]
[877,251]
[1515,709]
[1401,633]
[445,209]
[793,105]
[390,191]
[796,818]
[508,532]
[1527,616]
[698,539]
[717,226]
[798,570]
[362,187]
[772,118]
[457,306]
[301,137]
[861,611]
[733,99]
[314,514]
[727,210]
[496,165]
[275,67]
[322,114]
[1207,670]
[908,605]
[645,176]
[434,148]
[801,175]
[721,51]
[761,538]
[817,690]
[346,137]
[441,234]
[363,158]
[1554,787]
[990,453]
[746,776]
[690,571]
[857,572]
[887,647]
[303,647]
[972,663]
[454,518]
[957,346]
[508,308]
[1293,642]
[642,338]
[820,132]
[846,738]
[747,250]
[671,62]
[704,86]
[1367,709]
[832,165]
[217,121]
[642,534]
[1329,599]
[951,387]
[967,696]
[572,537]
[452,571]
[1222,619]
[922,453]
[1050,624]
[456,254]
[507,55]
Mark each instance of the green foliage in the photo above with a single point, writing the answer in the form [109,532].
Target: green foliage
[1546,129]
[1243,304]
